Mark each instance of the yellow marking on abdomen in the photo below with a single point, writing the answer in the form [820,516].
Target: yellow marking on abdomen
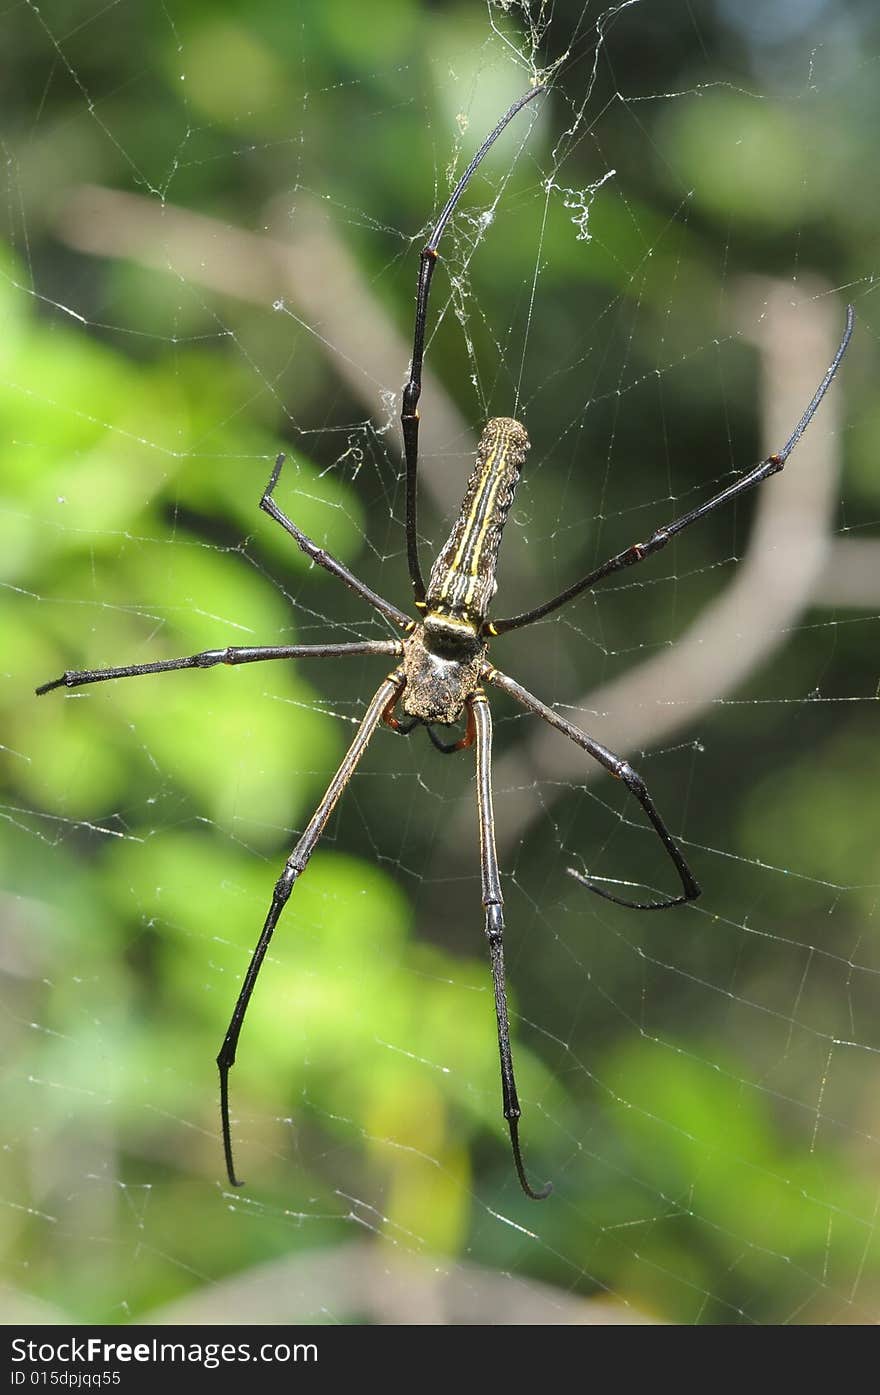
[455,583]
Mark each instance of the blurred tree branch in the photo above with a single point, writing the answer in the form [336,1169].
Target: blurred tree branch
[306,264]
[378,1283]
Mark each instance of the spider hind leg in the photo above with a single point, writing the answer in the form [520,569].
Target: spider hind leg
[621,770]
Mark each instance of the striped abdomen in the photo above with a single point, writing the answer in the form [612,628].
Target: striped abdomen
[462,581]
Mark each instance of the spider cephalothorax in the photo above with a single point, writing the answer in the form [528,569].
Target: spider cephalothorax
[439,681]
[442,662]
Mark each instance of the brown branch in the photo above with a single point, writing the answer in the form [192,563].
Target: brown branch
[308,267]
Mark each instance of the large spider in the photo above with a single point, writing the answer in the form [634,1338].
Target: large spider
[443,660]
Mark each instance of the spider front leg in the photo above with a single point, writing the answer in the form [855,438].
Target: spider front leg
[409,416]
[622,770]
[493,902]
[324,558]
[232,654]
[293,869]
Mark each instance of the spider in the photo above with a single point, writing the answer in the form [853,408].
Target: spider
[442,661]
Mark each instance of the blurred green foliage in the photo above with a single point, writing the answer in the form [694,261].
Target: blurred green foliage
[685,1084]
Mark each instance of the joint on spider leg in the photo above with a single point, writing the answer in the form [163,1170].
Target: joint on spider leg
[285,884]
[494,923]
[694,890]
[63,682]
[631,778]
[209,657]
[410,410]
[659,538]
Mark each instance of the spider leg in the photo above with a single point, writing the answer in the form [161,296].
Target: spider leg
[324,558]
[493,902]
[234,654]
[408,727]
[409,417]
[445,747]
[293,868]
[403,728]
[622,770]
[637,552]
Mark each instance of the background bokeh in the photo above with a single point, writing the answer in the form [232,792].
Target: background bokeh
[212,223]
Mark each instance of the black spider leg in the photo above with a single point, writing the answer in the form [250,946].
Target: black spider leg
[234,654]
[324,558]
[661,536]
[622,770]
[447,748]
[493,902]
[406,727]
[409,417]
[293,868]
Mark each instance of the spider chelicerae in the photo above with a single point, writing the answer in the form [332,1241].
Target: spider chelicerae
[443,664]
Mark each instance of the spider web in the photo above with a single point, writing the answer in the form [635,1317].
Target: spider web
[213,226]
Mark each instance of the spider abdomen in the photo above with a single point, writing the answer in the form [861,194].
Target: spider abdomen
[462,581]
